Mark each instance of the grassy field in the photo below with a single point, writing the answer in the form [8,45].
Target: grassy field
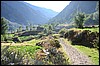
[92,53]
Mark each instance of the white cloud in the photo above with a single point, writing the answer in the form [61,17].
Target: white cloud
[54,5]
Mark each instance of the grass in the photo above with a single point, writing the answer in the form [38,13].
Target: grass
[11,35]
[92,53]
[33,42]
[16,54]
[25,37]
[91,29]
[31,50]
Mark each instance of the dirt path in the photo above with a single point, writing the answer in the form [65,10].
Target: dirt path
[76,57]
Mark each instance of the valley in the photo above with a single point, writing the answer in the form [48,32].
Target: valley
[40,36]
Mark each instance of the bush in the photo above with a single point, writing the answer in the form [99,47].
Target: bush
[53,58]
[55,43]
[56,57]
[85,38]
[62,31]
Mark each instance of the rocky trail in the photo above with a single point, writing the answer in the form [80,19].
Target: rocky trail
[76,57]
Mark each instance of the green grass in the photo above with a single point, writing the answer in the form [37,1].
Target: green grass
[10,35]
[91,29]
[34,41]
[31,50]
[92,53]
[25,37]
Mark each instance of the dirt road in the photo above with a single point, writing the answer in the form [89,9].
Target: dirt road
[76,57]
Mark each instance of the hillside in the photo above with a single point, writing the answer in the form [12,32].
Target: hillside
[24,13]
[67,13]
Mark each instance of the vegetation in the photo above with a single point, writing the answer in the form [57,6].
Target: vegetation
[36,44]
[92,53]
[83,37]
[18,54]
[80,20]
[55,43]
[63,31]
[4,25]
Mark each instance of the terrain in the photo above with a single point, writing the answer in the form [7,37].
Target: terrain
[65,40]
[28,13]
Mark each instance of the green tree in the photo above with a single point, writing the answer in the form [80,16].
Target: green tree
[96,14]
[20,28]
[31,27]
[4,25]
[80,19]
[26,28]
[50,27]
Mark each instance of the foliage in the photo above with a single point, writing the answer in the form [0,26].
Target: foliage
[2,37]
[90,29]
[62,31]
[27,28]
[92,53]
[56,58]
[48,29]
[20,28]
[17,55]
[56,36]
[53,58]
[85,38]
[26,38]
[55,43]
[80,20]
[4,25]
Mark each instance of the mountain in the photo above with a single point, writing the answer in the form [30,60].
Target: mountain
[46,12]
[67,13]
[23,13]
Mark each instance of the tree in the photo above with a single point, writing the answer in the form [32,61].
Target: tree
[50,27]
[20,28]
[4,25]
[96,14]
[31,27]
[80,19]
[26,28]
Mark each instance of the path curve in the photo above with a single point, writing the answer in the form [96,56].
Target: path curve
[76,57]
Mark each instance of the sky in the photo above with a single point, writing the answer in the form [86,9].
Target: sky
[57,6]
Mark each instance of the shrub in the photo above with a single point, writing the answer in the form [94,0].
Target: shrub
[62,31]
[56,57]
[55,43]
[85,38]
[53,58]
